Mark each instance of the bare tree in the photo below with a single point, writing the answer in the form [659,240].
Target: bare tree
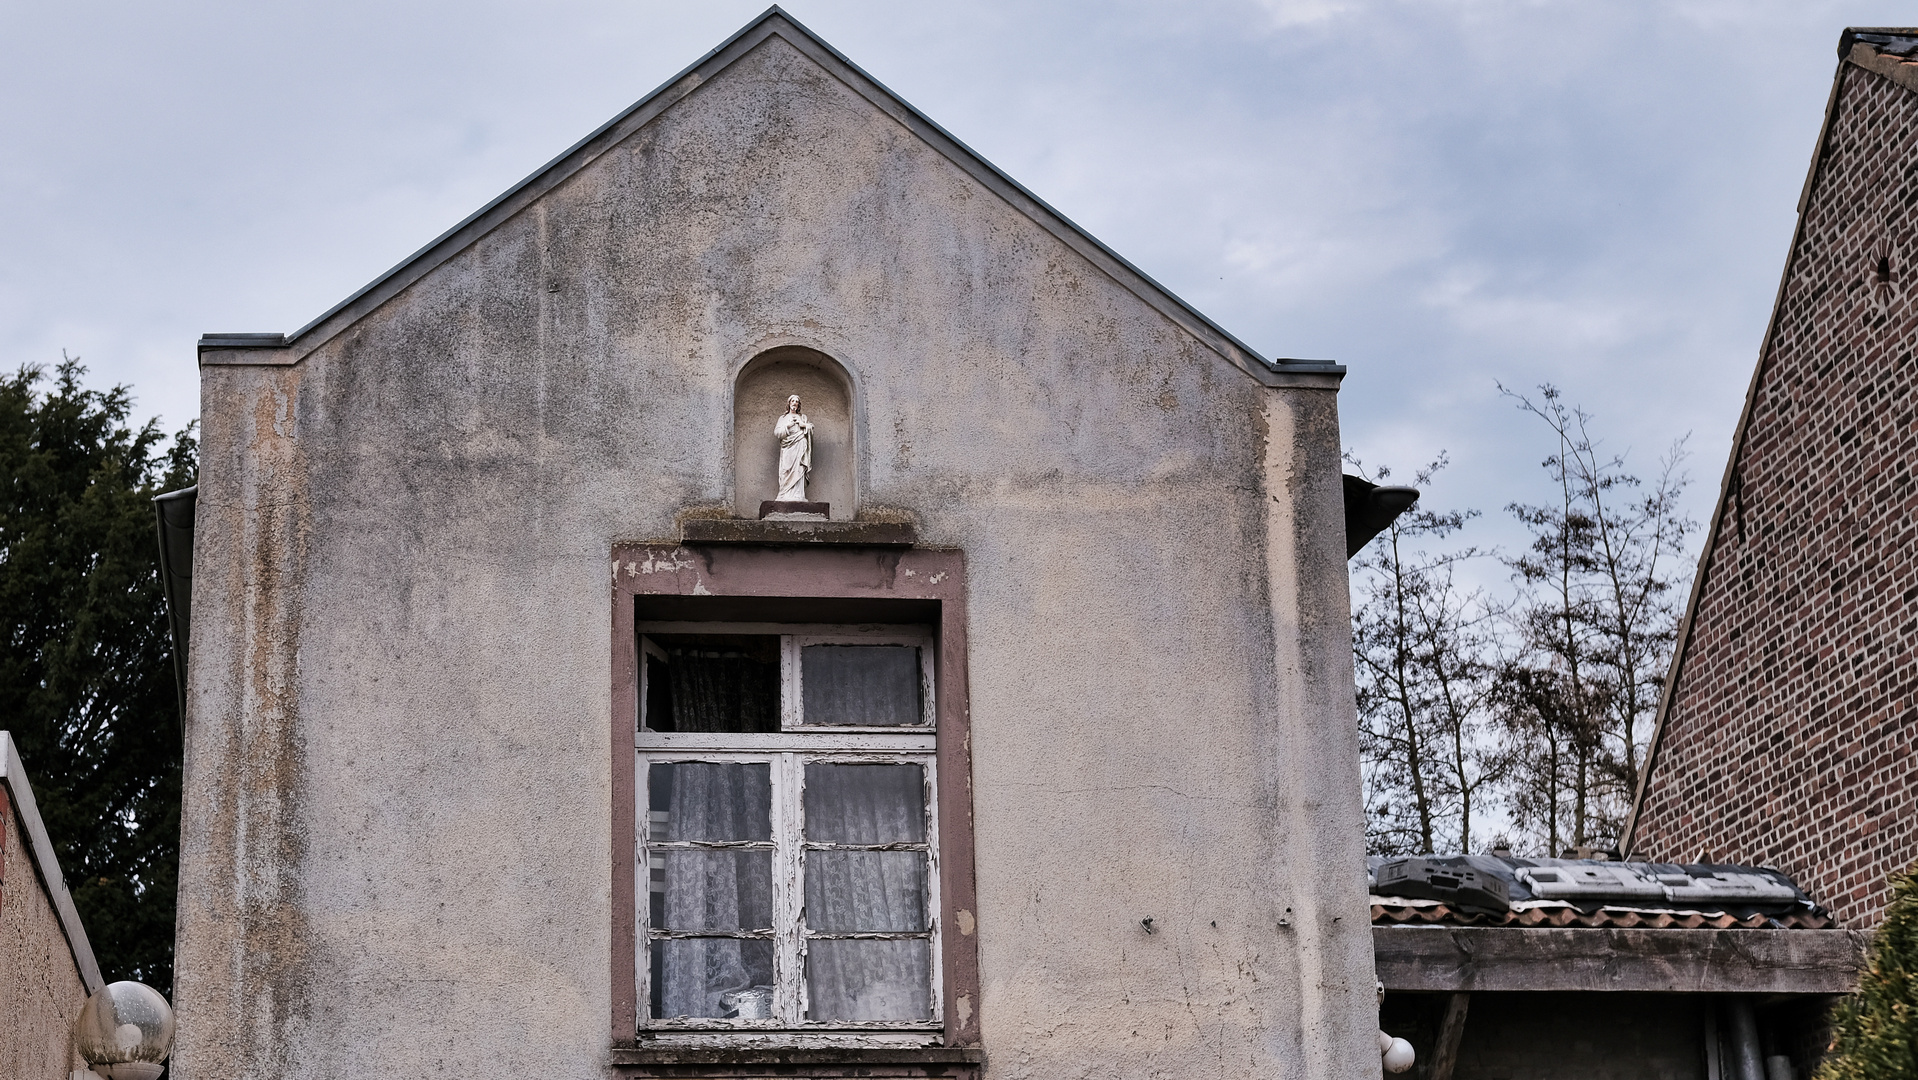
[1426,652]
[1594,626]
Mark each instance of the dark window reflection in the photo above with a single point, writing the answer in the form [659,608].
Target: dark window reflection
[713,682]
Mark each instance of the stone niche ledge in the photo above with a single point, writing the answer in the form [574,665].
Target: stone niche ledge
[749,531]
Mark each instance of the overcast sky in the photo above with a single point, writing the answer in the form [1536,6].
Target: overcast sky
[1442,195]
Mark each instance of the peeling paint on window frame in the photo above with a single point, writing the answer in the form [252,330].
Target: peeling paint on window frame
[842,578]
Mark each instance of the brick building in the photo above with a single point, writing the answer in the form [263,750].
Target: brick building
[1787,733]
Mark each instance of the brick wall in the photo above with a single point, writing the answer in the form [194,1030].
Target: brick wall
[1789,738]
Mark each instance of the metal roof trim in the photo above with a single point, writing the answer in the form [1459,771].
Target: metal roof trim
[232,348]
[1875,36]
[13,775]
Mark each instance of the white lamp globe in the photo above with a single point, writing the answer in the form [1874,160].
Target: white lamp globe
[1398,1056]
[125,1031]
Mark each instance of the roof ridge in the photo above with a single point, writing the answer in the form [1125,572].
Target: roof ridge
[284,349]
[1890,51]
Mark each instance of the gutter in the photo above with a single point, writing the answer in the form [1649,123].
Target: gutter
[13,777]
[173,513]
[1370,509]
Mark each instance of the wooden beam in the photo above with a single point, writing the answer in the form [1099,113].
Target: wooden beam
[1451,1029]
[1467,958]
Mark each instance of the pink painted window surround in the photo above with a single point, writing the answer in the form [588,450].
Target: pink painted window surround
[792,813]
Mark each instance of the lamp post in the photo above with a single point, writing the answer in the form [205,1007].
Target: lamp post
[124,1031]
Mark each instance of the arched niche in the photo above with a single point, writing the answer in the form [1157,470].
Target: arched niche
[759,399]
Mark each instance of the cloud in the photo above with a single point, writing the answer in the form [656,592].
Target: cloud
[1290,13]
[1440,193]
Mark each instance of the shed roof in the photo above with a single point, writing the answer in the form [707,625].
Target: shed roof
[280,349]
[1587,893]
[1512,924]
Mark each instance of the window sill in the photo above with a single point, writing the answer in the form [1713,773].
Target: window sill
[823,1061]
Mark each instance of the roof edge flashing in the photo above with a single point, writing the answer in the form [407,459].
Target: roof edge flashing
[1878,35]
[285,349]
[13,776]
[1886,52]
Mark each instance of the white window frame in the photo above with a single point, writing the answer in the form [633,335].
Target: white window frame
[788,751]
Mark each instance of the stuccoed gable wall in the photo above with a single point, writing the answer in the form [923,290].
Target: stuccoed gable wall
[396,842]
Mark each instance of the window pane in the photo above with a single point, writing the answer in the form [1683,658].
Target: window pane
[868,980]
[658,714]
[865,804]
[714,682]
[712,890]
[709,800]
[712,977]
[852,891]
[861,684]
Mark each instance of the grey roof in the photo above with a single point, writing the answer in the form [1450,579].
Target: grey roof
[230,348]
[13,776]
[1891,40]
[1503,890]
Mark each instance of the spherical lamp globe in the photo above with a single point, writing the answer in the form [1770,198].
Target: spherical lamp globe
[125,1031]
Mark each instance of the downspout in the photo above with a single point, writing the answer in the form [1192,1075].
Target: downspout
[1748,1062]
[173,512]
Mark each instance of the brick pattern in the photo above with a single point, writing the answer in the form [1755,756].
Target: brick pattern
[1790,737]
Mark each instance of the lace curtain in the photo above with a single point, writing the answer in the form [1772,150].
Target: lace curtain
[846,891]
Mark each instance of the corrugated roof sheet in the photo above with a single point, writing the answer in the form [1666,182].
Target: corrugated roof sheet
[1492,890]
[1404,911]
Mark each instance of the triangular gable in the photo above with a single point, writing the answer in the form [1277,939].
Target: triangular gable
[1890,52]
[280,349]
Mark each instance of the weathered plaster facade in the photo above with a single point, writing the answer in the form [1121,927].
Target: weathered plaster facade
[398,815]
[46,965]
[40,987]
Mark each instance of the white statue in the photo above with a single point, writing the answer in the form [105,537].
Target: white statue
[794,433]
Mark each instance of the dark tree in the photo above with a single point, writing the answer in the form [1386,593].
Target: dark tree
[86,677]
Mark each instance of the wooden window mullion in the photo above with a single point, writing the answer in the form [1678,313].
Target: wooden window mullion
[789,894]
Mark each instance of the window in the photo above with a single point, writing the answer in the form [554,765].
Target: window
[776,675]
[788,797]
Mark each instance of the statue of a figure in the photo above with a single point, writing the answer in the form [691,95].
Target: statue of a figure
[794,433]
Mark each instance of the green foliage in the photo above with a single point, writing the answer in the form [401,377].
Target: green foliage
[86,677]
[1875,1031]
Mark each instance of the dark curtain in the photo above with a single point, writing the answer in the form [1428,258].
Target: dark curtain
[723,690]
